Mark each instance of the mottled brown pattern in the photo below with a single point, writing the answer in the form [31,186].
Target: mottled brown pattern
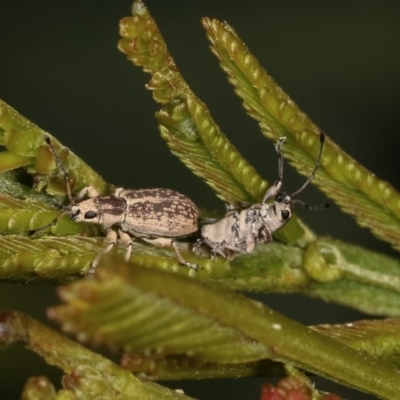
[111,205]
[157,216]
[160,212]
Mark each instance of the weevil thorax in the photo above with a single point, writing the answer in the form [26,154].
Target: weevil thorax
[104,210]
[278,213]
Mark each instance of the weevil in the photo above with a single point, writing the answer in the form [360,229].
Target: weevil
[157,216]
[245,226]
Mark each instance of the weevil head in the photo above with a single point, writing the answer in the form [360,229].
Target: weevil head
[283,207]
[85,211]
[105,211]
[278,213]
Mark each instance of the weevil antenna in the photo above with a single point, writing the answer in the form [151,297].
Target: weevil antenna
[311,207]
[49,225]
[274,190]
[280,157]
[61,167]
[68,184]
[316,166]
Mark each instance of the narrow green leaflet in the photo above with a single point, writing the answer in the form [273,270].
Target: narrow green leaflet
[46,259]
[376,337]
[88,374]
[326,269]
[379,338]
[165,368]
[374,203]
[119,313]
[151,311]
[185,122]
[22,211]
[25,146]
[356,278]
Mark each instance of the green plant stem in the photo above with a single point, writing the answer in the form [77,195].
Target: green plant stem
[281,339]
[100,376]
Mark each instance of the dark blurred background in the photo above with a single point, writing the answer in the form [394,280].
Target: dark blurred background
[340,61]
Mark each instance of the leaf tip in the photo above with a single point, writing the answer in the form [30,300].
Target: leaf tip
[138,8]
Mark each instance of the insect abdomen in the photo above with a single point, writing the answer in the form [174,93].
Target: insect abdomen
[159,212]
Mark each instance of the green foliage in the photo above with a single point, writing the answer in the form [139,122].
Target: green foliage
[88,375]
[185,122]
[374,203]
[151,311]
[176,323]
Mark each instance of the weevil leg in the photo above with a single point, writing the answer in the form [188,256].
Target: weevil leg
[230,254]
[161,242]
[217,248]
[87,191]
[197,245]
[206,221]
[214,248]
[127,241]
[215,251]
[265,235]
[111,239]
[181,260]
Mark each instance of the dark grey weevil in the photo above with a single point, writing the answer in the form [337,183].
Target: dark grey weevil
[157,216]
[245,226]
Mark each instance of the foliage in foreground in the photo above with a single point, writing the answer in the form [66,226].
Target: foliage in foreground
[172,323]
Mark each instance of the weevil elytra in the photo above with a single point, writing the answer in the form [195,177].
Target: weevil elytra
[156,216]
[245,226]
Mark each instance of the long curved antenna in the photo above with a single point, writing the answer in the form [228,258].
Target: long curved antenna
[61,167]
[310,207]
[68,184]
[317,162]
[278,150]
[49,225]
[274,189]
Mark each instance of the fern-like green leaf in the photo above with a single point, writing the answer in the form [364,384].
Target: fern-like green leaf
[374,203]
[22,211]
[88,374]
[185,121]
[152,311]
[25,146]
[187,126]
[379,338]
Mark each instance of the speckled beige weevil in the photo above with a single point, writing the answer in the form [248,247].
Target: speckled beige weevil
[156,216]
[245,226]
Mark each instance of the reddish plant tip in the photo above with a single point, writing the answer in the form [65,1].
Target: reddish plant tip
[8,332]
[4,327]
[289,388]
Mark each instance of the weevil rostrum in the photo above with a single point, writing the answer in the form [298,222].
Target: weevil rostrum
[245,226]
[157,216]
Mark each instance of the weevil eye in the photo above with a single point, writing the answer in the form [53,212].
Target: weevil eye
[90,214]
[285,214]
[279,197]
